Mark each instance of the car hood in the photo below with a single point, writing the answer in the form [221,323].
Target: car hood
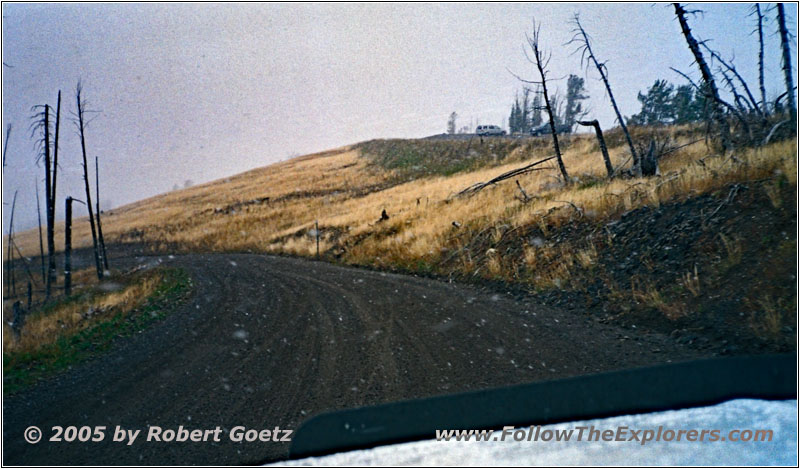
[739,414]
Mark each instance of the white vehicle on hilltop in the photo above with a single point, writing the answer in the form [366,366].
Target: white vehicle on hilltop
[489,130]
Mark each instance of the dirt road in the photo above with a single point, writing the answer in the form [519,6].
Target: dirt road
[269,341]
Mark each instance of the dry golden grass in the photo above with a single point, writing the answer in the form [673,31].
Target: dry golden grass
[347,194]
[769,315]
[67,318]
[81,279]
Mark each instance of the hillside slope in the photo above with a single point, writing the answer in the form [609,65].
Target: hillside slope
[711,237]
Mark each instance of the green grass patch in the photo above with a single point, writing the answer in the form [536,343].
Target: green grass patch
[423,158]
[25,367]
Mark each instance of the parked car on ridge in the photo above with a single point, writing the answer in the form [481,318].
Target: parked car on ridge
[489,130]
[544,129]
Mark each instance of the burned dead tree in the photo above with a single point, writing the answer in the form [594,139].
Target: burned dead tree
[18,319]
[5,145]
[750,102]
[477,187]
[587,55]
[55,156]
[602,142]
[68,245]
[760,30]
[541,62]
[41,245]
[649,160]
[97,212]
[48,203]
[787,58]
[80,121]
[10,262]
[745,108]
[41,124]
[709,87]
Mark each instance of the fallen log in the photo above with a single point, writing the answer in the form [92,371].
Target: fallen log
[477,187]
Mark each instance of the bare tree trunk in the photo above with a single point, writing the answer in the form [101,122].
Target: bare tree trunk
[68,247]
[554,133]
[541,65]
[787,58]
[761,87]
[49,209]
[582,38]
[41,244]
[82,131]
[18,319]
[12,279]
[97,212]
[5,145]
[55,156]
[24,261]
[711,86]
[602,142]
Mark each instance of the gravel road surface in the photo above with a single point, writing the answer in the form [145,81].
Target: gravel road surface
[268,342]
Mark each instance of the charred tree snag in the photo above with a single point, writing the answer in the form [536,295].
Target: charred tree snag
[68,244]
[48,201]
[650,160]
[41,244]
[760,31]
[710,88]
[12,280]
[42,123]
[55,157]
[541,63]
[5,145]
[68,247]
[602,142]
[477,187]
[18,319]
[587,55]
[787,58]
[81,123]
[97,211]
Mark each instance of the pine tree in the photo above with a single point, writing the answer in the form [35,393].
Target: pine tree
[685,105]
[656,105]
[451,123]
[524,119]
[536,111]
[575,94]
[514,120]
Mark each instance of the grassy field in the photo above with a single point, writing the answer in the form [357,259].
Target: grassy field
[274,209]
[71,329]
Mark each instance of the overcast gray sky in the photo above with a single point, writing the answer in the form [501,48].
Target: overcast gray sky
[203,91]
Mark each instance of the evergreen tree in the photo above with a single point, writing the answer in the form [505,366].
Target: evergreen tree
[575,94]
[524,118]
[656,105]
[514,119]
[536,111]
[451,123]
[686,106]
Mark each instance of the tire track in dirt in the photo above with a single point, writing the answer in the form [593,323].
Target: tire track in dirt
[267,341]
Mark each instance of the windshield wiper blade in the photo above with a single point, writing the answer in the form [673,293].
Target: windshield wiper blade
[631,391]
